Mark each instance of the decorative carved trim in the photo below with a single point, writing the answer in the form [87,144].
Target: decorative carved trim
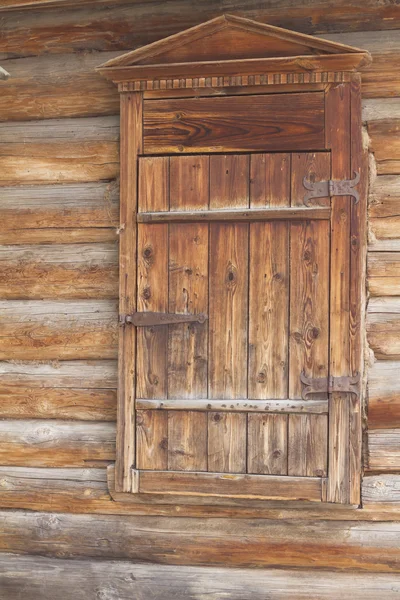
[235,81]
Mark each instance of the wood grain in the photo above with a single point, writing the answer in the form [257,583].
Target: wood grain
[267,444]
[384,395]
[187,442]
[152,440]
[234,124]
[307,445]
[384,273]
[383,327]
[383,450]
[227,442]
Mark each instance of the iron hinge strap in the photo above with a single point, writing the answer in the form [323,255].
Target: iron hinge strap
[323,189]
[316,385]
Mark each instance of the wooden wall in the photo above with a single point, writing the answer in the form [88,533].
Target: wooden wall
[59,165]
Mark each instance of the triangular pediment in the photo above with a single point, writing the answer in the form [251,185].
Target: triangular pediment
[229,38]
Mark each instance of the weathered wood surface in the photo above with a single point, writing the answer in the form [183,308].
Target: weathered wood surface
[383,450]
[384,273]
[85,490]
[53,330]
[60,150]
[59,214]
[382,491]
[81,390]
[52,443]
[385,145]
[128,26]
[50,578]
[59,271]
[178,541]
[383,327]
[384,395]
[384,210]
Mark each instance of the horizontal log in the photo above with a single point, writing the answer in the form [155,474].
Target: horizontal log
[378,109]
[384,450]
[384,213]
[69,213]
[64,150]
[385,144]
[128,26]
[384,273]
[281,406]
[381,490]
[52,330]
[266,214]
[85,490]
[383,327]
[48,443]
[267,487]
[384,395]
[81,390]
[59,271]
[50,579]
[345,545]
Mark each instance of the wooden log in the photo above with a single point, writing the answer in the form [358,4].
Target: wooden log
[59,271]
[385,145]
[128,26]
[381,490]
[85,491]
[70,330]
[384,273]
[384,450]
[384,395]
[383,327]
[341,545]
[70,213]
[51,443]
[50,579]
[384,210]
[81,390]
[69,150]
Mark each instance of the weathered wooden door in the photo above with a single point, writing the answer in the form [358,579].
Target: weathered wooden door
[219,406]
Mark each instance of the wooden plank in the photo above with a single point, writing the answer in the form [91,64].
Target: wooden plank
[227,442]
[44,443]
[379,490]
[384,273]
[57,214]
[187,441]
[383,327]
[384,395]
[384,207]
[50,578]
[266,123]
[269,180]
[384,144]
[267,444]
[315,166]
[337,132]
[80,390]
[59,271]
[383,450]
[247,405]
[307,445]
[241,486]
[70,330]
[188,280]
[152,440]
[267,214]
[131,146]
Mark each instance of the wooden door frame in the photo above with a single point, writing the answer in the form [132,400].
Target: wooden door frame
[344,139]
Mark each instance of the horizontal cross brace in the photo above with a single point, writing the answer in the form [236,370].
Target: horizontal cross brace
[243,215]
[204,404]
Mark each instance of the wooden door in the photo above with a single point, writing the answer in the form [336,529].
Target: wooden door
[228,240]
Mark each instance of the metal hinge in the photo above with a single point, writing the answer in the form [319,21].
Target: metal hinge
[323,189]
[315,385]
[151,319]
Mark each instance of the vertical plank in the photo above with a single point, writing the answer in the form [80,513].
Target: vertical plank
[152,439]
[269,180]
[267,444]
[229,181]
[269,281]
[188,279]
[316,166]
[337,110]
[359,164]
[307,445]
[227,442]
[187,441]
[153,183]
[131,146]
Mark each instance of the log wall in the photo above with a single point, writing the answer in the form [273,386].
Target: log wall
[59,165]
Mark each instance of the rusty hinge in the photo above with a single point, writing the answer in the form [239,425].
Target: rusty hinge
[322,189]
[151,319]
[314,385]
